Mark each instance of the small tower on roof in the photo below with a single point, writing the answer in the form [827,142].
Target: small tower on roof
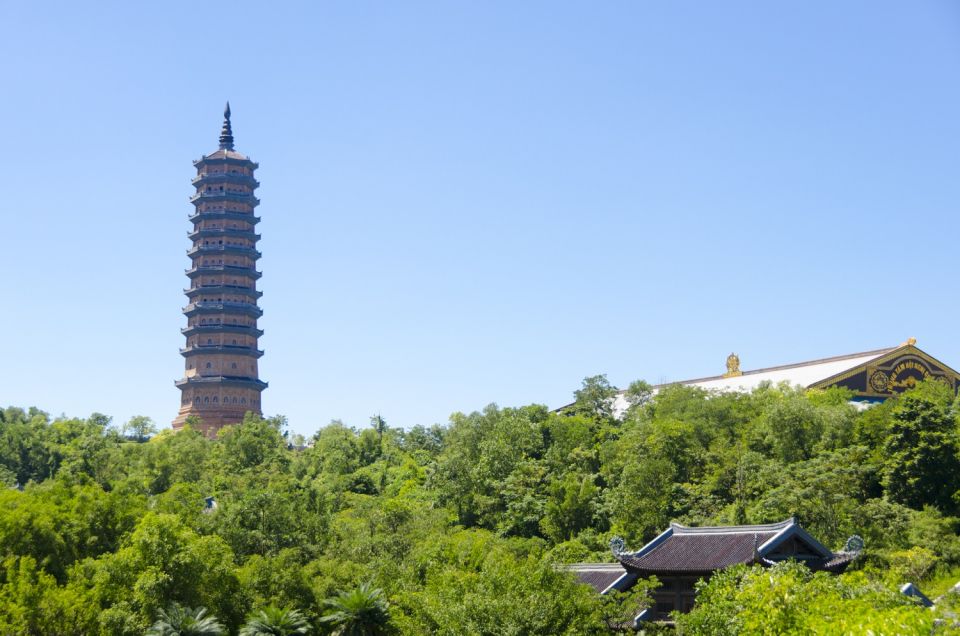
[221,381]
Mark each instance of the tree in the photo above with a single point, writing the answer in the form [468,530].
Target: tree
[788,599]
[637,395]
[139,428]
[101,535]
[639,505]
[570,507]
[275,621]
[595,398]
[253,442]
[378,424]
[620,608]
[185,621]
[163,561]
[921,454]
[266,520]
[824,493]
[794,426]
[359,612]
[99,419]
[32,603]
[502,594]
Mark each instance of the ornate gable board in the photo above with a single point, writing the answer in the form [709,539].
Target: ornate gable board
[794,530]
[892,373]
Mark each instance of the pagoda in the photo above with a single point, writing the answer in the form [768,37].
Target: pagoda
[221,382]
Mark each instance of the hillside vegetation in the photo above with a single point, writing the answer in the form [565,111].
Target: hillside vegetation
[457,529]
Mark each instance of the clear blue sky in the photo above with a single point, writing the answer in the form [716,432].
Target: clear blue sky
[467,203]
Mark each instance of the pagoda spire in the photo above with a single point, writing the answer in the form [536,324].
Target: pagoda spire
[226,133]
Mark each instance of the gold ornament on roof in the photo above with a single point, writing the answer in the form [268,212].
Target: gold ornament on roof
[910,341]
[733,366]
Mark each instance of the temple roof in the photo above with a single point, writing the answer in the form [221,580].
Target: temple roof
[682,549]
[600,576]
[871,375]
[799,373]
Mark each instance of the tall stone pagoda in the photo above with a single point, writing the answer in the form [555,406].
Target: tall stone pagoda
[221,382]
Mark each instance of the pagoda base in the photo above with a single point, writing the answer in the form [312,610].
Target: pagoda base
[210,421]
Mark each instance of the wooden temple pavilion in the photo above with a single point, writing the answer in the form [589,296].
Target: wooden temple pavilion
[681,555]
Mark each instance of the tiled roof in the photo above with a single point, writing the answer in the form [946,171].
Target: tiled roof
[699,552]
[598,575]
[705,549]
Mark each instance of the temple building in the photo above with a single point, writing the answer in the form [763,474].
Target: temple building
[221,382]
[680,556]
[872,376]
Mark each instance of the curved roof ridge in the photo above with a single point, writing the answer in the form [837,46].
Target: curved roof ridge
[767,527]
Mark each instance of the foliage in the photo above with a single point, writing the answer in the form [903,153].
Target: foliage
[185,621]
[595,398]
[138,428]
[788,599]
[461,527]
[921,450]
[504,595]
[359,612]
[275,621]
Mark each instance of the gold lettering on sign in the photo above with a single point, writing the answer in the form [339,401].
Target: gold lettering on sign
[898,379]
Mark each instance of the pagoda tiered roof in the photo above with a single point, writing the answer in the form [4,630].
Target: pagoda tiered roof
[223,155]
[229,215]
[242,250]
[240,350]
[213,195]
[225,177]
[223,327]
[239,270]
[208,307]
[234,232]
[231,380]
[250,292]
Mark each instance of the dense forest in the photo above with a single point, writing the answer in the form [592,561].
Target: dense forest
[459,529]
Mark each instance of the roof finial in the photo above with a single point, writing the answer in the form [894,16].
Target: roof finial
[226,133]
[618,547]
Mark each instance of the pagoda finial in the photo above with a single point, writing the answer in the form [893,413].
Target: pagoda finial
[226,133]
